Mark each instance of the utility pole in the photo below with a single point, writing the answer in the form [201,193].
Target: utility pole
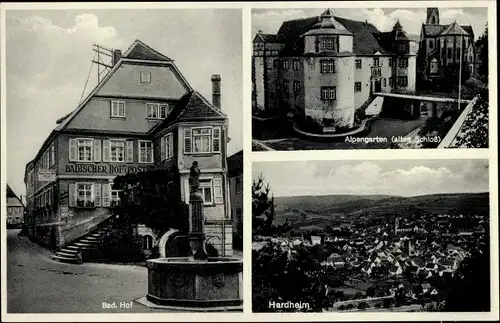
[460,68]
[102,67]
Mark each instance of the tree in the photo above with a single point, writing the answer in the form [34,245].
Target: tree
[363,305]
[263,213]
[152,198]
[482,44]
[470,288]
[281,276]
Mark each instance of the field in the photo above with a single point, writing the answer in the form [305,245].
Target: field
[309,212]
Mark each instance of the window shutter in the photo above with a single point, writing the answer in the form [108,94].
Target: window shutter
[97,150]
[187,140]
[170,145]
[106,151]
[72,194]
[216,139]
[186,191]
[162,147]
[72,149]
[97,194]
[130,151]
[106,195]
[218,191]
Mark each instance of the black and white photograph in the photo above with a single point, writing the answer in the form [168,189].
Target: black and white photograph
[369,78]
[409,235]
[124,160]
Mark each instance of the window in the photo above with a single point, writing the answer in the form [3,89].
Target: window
[286,87]
[84,149]
[357,87]
[390,81]
[167,147]
[328,93]
[285,65]
[390,62]
[328,66]
[202,140]
[157,111]
[275,63]
[449,53]
[114,196]
[118,109]
[211,189]
[458,52]
[403,62]
[384,82]
[147,242]
[296,86]
[431,44]
[238,185]
[206,190]
[145,151]
[84,194]
[117,148]
[358,64]
[295,65]
[145,77]
[326,43]
[376,61]
[52,155]
[434,66]
[402,80]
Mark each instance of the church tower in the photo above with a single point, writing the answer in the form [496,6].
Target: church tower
[432,16]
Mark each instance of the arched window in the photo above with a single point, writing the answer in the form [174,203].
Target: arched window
[434,67]
[147,242]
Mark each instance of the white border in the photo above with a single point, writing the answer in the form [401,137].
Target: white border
[246,7]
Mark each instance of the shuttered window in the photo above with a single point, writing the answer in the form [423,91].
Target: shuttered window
[202,140]
[81,149]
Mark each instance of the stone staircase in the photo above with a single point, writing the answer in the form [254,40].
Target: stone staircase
[76,251]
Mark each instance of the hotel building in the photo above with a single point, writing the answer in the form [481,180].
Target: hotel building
[142,115]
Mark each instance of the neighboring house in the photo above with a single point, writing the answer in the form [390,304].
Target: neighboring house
[441,45]
[235,174]
[315,240]
[326,67]
[142,115]
[15,209]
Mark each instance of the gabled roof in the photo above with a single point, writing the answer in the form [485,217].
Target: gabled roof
[434,30]
[268,38]
[453,29]
[139,50]
[191,107]
[11,194]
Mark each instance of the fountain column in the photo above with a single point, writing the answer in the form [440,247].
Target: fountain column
[196,219]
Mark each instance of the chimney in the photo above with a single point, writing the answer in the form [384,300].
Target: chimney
[216,91]
[260,31]
[117,54]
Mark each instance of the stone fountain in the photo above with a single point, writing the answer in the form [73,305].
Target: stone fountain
[196,282]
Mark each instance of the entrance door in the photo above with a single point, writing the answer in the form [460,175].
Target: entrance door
[378,86]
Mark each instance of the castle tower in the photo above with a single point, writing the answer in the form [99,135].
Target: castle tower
[432,16]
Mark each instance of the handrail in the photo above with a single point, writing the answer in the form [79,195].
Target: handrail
[457,126]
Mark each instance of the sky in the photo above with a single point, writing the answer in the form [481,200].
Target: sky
[362,177]
[49,53]
[270,20]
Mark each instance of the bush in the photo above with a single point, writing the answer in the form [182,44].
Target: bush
[363,305]
[121,245]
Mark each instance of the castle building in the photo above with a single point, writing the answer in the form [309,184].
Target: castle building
[442,45]
[326,67]
[142,115]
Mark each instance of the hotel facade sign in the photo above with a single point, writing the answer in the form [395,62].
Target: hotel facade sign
[105,169]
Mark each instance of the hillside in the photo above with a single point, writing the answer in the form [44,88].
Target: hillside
[308,212]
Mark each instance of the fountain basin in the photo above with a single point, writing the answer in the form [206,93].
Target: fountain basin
[181,282]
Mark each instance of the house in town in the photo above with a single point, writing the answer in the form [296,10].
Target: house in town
[323,68]
[142,115]
[235,176]
[442,45]
[15,209]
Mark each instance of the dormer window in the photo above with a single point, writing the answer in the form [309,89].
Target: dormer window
[145,77]
[157,111]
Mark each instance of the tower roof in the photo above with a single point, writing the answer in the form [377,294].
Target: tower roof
[398,33]
[327,24]
[453,29]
